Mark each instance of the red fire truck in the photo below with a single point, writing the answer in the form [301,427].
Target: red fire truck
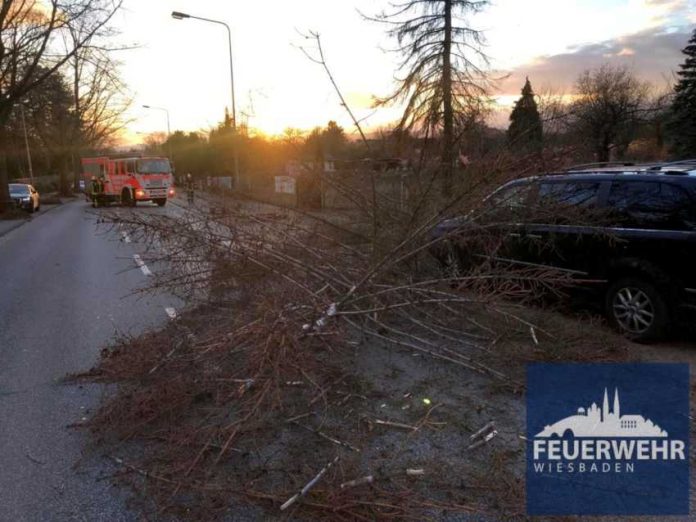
[129,180]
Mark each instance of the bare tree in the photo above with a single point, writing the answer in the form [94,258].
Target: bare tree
[444,69]
[612,103]
[320,59]
[553,110]
[30,49]
[155,141]
[50,116]
[99,96]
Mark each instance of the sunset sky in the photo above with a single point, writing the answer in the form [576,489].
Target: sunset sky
[182,65]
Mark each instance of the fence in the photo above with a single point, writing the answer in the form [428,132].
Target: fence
[334,189]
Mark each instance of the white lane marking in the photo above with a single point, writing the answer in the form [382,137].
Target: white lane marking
[143,267]
[171,312]
[125,237]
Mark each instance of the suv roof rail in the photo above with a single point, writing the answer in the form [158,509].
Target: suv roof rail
[601,164]
[659,166]
[673,172]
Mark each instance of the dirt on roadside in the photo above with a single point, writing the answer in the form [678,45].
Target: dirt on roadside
[197,439]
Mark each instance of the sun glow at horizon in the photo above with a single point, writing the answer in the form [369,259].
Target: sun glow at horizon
[183,65]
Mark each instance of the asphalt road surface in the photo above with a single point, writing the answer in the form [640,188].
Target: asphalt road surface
[65,291]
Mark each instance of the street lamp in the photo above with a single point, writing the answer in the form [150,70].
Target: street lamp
[169,131]
[26,143]
[177,15]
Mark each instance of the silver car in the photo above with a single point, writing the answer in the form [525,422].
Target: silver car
[25,196]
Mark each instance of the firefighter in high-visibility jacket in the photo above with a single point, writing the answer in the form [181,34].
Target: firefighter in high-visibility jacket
[97,189]
[189,188]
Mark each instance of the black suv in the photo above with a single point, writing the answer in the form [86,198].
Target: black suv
[627,231]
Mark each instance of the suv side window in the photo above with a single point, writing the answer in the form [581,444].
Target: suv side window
[569,193]
[651,205]
[509,203]
[511,198]
[567,202]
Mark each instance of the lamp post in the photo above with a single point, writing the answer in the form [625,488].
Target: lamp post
[26,143]
[169,131]
[177,15]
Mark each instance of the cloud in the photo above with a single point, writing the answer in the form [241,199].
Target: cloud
[652,54]
[673,5]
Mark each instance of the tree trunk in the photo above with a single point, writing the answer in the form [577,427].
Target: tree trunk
[603,155]
[659,139]
[77,172]
[4,188]
[447,158]
[604,149]
[63,181]
[76,146]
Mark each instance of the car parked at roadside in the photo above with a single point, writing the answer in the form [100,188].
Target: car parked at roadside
[25,196]
[627,231]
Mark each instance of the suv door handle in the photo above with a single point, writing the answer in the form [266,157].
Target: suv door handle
[534,236]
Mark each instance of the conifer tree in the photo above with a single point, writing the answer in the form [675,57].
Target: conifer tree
[682,123]
[525,124]
[442,71]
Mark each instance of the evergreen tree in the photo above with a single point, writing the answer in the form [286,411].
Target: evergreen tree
[333,138]
[682,123]
[525,124]
[327,142]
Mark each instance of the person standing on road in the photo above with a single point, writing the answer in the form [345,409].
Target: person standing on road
[95,189]
[189,188]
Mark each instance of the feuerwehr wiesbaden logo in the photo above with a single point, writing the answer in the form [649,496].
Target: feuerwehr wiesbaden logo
[607,439]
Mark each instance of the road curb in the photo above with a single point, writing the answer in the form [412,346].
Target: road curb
[14,227]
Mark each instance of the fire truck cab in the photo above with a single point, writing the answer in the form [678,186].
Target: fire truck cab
[129,180]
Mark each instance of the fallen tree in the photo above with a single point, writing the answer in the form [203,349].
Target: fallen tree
[261,393]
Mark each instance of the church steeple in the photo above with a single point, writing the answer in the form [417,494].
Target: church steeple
[605,406]
[617,410]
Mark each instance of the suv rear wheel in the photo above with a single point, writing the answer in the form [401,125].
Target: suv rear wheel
[637,309]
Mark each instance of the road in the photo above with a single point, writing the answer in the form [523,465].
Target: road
[65,291]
